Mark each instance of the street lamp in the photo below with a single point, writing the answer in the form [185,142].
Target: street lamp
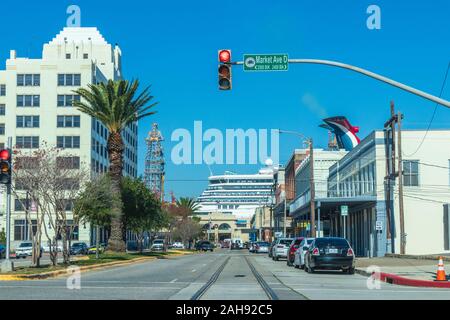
[309,141]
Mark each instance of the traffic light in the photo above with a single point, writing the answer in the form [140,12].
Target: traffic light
[5,166]
[225,69]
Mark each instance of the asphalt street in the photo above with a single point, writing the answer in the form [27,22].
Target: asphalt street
[181,277]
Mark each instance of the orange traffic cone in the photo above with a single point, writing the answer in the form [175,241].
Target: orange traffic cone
[440,274]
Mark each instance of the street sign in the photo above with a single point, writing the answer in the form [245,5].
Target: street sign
[379,225]
[266,62]
[344,211]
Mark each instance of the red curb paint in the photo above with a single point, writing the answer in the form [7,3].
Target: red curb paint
[395,279]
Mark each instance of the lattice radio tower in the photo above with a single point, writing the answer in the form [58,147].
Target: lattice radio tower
[154,162]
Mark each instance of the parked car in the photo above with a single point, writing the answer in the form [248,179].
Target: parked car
[204,246]
[235,246]
[252,246]
[158,245]
[93,249]
[280,248]
[270,249]
[25,249]
[226,244]
[299,256]
[79,248]
[46,248]
[261,247]
[292,248]
[330,254]
[178,245]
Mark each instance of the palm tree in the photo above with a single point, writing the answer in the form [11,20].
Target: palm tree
[187,206]
[117,105]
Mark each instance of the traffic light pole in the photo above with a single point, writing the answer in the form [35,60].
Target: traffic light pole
[7,265]
[370,74]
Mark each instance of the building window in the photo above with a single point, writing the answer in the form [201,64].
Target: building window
[411,173]
[68,162]
[27,121]
[27,142]
[23,231]
[28,80]
[68,142]
[2,129]
[28,100]
[85,56]
[2,90]
[2,109]
[68,122]
[67,100]
[69,79]
[68,56]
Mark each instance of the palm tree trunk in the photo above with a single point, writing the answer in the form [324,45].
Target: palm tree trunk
[116,241]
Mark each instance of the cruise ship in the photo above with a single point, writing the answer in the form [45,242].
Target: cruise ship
[237,194]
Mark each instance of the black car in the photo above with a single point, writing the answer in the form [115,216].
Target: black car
[235,246]
[204,246]
[330,254]
[79,248]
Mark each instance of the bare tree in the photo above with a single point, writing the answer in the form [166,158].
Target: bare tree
[52,178]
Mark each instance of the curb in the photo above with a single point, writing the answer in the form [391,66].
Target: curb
[417,257]
[52,274]
[402,281]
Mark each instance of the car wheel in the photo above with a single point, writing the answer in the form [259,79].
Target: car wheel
[351,270]
[310,270]
[296,266]
[302,266]
[276,258]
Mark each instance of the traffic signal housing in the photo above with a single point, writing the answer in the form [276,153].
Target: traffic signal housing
[5,166]
[225,69]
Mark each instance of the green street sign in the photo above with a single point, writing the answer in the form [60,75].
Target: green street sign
[344,211]
[266,62]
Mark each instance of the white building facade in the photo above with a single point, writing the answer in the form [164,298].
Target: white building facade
[36,108]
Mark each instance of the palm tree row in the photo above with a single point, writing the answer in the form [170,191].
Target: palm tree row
[116,104]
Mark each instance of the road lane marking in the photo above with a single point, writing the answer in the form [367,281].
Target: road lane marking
[173,281]
[193,270]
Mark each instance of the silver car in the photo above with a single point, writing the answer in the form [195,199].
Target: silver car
[299,256]
[261,247]
[280,248]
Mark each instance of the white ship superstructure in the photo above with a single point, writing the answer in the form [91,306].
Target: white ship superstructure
[237,194]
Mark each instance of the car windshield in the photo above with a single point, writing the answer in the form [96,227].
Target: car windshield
[25,245]
[331,242]
[158,242]
[77,245]
[286,241]
[263,244]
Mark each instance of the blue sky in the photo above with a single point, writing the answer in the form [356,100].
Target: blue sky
[173,45]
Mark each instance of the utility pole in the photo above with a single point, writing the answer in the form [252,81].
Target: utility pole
[312,189]
[400,185]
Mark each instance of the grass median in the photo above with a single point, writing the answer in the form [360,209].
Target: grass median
[91,260]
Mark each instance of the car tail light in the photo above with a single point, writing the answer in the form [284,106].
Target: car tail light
[350,252]
[316,252]
[256,247]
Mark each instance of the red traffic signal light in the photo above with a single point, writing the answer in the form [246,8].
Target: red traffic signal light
[5,167]
[5,155]
[224,56]
[225,69]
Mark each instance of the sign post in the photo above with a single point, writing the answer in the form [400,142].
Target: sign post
[344,214]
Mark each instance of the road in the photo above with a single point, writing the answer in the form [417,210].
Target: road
[181,278]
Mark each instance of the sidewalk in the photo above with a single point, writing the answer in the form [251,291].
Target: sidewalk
[405,271]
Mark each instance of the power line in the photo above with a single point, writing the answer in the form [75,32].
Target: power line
[434,114]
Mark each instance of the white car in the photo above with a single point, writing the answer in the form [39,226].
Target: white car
[25,249]
[299,255]
[178,245]
[280,248]
[46,248]
[158,245]
[261,247]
